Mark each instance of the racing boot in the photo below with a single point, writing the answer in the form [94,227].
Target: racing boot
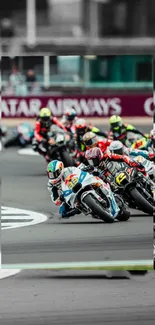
[71,213]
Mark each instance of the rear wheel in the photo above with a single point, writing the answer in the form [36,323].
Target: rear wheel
[141,201]
[97,208]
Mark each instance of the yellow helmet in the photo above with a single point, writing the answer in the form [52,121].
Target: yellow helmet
[44,112]
[45,115]
[115,122]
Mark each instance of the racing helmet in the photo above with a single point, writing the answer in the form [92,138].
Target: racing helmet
[115,122]
[45,116]
[54,171]
[94,156]
[116,147]
[90,139]
[81,126]
[70,114]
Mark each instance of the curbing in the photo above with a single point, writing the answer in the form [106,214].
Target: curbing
[114,265]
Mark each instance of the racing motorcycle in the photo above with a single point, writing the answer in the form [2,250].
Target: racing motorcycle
[90,195]
[132,185]
[21,135]
[58,146]
[139,142]
[148,165]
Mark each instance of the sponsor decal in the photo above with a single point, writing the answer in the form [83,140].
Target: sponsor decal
[86,106]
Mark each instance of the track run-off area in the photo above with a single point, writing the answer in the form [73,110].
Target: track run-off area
[76,297]
[25,239]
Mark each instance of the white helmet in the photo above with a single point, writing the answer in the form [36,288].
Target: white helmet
[116,147]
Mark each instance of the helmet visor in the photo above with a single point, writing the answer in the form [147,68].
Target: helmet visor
[54,175]
[81,131]
[70,117]
[118,151]
[90,142]
[116,126]
[45,120]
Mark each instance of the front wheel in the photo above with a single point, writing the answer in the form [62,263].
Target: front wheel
[97,208]
[141,201]
[124,215]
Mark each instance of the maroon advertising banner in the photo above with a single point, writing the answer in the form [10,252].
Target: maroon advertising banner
[85,106]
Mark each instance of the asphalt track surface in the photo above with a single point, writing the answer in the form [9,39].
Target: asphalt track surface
[76,239]
[47,297]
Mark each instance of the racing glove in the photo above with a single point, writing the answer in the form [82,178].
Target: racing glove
[152,157]
[141,168]
[88,169]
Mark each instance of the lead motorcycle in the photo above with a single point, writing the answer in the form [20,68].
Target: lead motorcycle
[90,195]
[58,146]
[132,185]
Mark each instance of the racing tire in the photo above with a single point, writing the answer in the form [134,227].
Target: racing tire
[10,141]
[67,159]
[124,216]
[97,208]
[142,202]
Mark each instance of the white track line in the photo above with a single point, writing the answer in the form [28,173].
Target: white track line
[29,218]
[28,152]
[7,273]
[73,265]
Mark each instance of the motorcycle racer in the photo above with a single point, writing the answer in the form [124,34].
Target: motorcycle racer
[118,148]
[55,172]
[97,158]
[81,128]
[119,130]
[91,140]
[43,123]
[104,163]
[69,119]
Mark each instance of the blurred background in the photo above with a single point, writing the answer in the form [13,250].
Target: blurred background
[96,86]
[25,75]
[77,26]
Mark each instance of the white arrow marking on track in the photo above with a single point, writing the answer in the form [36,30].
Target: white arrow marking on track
[19,218]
